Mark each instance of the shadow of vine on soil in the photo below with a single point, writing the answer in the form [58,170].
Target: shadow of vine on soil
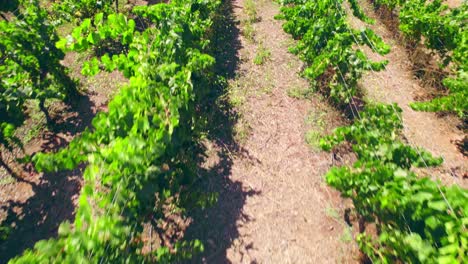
[52,202]
[216,226]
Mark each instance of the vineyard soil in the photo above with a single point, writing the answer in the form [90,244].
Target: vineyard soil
[283,211]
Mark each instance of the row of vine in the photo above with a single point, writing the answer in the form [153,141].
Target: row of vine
[418,220]
[30,67]
[445,31]
[137,154]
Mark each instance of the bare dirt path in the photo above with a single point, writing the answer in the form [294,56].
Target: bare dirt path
[397,84]
[454,3]
[274,206]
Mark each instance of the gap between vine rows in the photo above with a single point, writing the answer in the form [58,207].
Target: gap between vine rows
[274,205]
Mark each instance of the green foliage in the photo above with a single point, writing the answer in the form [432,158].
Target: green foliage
[417,221]
[136,153]
[414,219]
[456,100]
[69,10]
[30,66]
[445,31]
[357,12]
[327,44]
[375,138]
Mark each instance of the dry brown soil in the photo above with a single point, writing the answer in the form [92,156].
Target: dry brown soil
[274,206]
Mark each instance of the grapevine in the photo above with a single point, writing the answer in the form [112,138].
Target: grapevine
[138,155]
[330,57]
[417,220]
[70,10]
[30,66]
[136,152]
[443,30]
